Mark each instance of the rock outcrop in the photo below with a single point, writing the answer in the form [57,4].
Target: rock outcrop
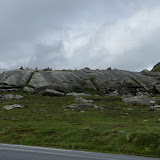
[17,78]
[111,82]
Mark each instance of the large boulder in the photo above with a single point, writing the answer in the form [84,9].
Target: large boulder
[52,92]
[137,101]
[28,89]
[140,100]
[10,96]
[82,100]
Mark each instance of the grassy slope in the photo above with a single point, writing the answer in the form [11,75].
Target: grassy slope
[156,68]
[118,128]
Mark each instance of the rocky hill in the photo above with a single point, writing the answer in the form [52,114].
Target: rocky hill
[66,81]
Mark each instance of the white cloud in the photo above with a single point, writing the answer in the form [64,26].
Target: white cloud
[129,34]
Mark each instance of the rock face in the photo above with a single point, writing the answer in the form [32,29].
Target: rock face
[157,87]
[110,82]
[17,78]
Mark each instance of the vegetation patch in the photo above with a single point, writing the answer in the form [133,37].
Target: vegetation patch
[156,68]
[117,128]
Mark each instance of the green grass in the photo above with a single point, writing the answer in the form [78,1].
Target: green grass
[156,68]
[118,128]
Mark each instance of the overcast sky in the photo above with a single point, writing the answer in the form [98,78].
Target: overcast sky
[69,34]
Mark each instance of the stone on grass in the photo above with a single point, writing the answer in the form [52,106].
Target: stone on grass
[85,105]
[129,109]
[114,93]
[77,94]
[10,96]
[9,107]
[80,99]
[152,102]
[52,92]
[136,100]
[72,106]
[157,108]
[152,108]
[28,89]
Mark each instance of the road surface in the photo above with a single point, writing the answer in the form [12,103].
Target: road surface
[20,152]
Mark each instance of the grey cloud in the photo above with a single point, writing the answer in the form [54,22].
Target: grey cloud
[46,56]
[75,34]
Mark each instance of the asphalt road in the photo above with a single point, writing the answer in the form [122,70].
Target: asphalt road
[19,152]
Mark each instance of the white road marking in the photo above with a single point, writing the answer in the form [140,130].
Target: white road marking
[60,154]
